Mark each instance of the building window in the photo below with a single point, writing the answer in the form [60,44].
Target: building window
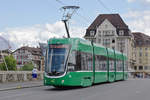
[106,42]
[121,32]
[113,32]
[99,33]
[104,33]
[92,33]
[140,49]
[121,45]
[99,40]
[140,67]
[145,68]
[146,54]
[140,54]
[113,41]
[135,68]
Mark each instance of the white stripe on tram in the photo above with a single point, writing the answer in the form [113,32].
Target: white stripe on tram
[100,71]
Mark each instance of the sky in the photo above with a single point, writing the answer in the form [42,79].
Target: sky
[28,22]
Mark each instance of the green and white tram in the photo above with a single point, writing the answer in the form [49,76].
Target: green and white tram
[78,62]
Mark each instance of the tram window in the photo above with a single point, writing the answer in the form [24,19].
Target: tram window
[96,62]
[86,61]
[111,64]
[83,61]
[100,63]
[72,61]
[121,65]
[118,65]
[78,61]
[89,61]
[104,63]
[126,65]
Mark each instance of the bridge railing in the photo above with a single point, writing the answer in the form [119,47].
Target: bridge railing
[18,76]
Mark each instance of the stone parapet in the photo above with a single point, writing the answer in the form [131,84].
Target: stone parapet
[18,76]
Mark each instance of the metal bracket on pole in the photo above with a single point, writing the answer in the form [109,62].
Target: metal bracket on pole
[68,12]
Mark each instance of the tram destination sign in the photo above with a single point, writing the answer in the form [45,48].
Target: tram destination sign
[58,46]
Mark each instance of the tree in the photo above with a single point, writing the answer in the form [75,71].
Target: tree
[2,66]
[11,63]
[27,67]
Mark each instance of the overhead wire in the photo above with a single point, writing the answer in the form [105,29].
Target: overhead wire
[60,2]
[84,18]
[101,3]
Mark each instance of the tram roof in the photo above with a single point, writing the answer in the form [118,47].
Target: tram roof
[85,46]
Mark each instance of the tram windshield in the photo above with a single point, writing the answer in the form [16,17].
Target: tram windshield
[56,59]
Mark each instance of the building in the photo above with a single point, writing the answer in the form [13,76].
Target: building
[110,31]
[142,55]
[27,54]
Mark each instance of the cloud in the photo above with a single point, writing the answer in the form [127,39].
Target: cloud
[142,1]
[31,36]
[138,21]
[131,1]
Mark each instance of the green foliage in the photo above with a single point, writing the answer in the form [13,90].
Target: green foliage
[2,66]
[11,63]
[27,67]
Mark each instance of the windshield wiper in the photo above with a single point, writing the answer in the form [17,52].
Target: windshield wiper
[53,73]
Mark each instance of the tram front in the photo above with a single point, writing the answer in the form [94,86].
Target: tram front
[55,63]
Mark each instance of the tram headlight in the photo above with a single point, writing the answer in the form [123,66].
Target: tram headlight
[62,81]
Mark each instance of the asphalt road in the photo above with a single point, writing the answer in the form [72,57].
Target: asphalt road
[132,89]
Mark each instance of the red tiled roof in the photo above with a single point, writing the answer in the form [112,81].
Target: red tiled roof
[141,39]
[114,19]
[34,51]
